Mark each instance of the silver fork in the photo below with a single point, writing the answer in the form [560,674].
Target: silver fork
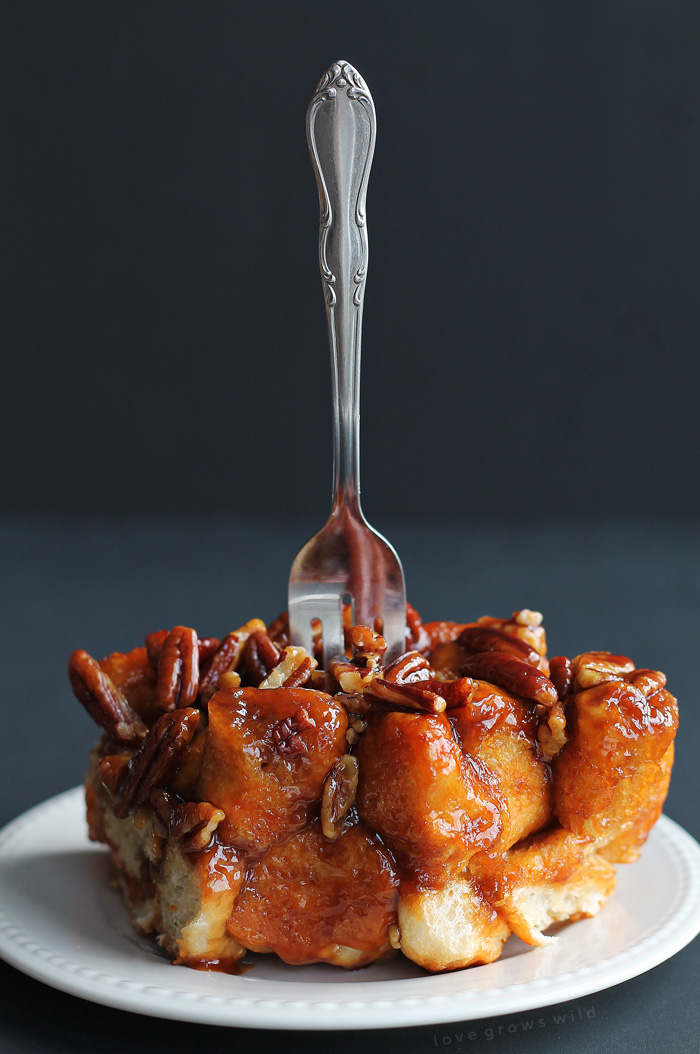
[347,561]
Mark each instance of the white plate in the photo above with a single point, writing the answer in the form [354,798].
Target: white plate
[61,922]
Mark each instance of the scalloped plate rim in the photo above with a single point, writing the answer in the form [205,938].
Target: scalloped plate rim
[423,1000]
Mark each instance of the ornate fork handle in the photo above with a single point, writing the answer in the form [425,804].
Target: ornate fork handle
[341,126]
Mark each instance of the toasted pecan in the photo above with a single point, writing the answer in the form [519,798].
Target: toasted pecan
[350,677]
[478,639]
[287,733]
[413,695]
[648,681]
[301,674]
[109,770]
[513,675]
[206,646]
[561,675]
[292,671]
[259,656]
[178,669]
[278,630]
[157,760]
[154,646]
[416,636]
[411,666]
[368,646]
[224,660]
[105,703]
[338,796]
[194,823]
[551,731]
[597,667]
[455,693]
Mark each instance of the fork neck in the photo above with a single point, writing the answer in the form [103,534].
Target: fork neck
[345,370]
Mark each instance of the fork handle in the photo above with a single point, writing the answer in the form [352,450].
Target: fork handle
[341,129]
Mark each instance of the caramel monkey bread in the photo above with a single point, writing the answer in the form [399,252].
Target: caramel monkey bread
[471,789]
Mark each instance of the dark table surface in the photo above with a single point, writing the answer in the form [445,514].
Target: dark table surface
[629,587]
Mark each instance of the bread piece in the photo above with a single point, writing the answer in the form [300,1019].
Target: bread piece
[184,899]
[315,900]
[445,929]
[551,877]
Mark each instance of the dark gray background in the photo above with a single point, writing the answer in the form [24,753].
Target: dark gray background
[100,584]
[531,313]
[530,430]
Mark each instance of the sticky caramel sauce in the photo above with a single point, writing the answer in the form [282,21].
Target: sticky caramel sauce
[236,967]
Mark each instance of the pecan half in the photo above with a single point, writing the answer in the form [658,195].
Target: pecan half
[525,617]
[226,657]
[104,702]
[178,670]
[338,797]
[301,674]
[293,670]
[417,637]
[163,802]
[350,678]
[412,696]
[648,681]
[356,703]
[561,675]
[527,626]
[411,666]
[368,646]
[278,630]
[477,639]
[259,656]
[110,769]
[194,823]
[206,646]
[157,760]
[551,731]
[154,646]
[597,667]
[455,693]
[287,733]
[511,674]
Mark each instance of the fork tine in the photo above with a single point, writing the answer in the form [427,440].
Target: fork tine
[394,629]
[325,606]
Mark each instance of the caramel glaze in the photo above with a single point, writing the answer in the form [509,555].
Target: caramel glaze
[265,794]
[236,967]
[221,866]
[500,731]
[434,806]
[309,899]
